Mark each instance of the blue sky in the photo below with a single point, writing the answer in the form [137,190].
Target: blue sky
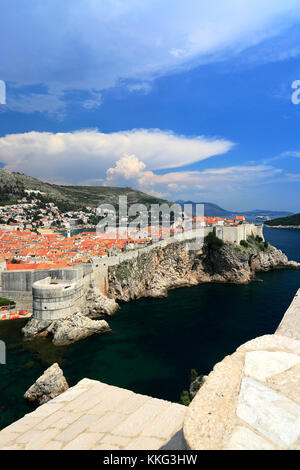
[179,99]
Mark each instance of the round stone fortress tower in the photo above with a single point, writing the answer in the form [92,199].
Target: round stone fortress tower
[53,299]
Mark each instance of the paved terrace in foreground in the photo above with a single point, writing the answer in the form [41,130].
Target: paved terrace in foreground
[251,400]
[93,415]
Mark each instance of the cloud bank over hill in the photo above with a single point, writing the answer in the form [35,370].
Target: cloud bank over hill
[83,156]
[130,158]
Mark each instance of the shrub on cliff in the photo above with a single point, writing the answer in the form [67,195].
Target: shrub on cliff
[185,398]
[244,243]
[250,239]
[213,243]
[193,375]
[257,242]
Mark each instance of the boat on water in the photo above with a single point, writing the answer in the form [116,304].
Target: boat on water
[15,315]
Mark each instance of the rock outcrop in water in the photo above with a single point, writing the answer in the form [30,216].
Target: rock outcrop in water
[74,328]
[65,330]
[153,273]
[35,328]
[51,384]
[99,305]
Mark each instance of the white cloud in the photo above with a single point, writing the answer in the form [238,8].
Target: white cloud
[131,158]
[53,104]
[293,176]
[129,171]
[91,46]
[142,88]
[283,155]
[94,101]
[127,167]
[83,156]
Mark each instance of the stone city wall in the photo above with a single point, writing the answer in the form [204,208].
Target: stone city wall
[23,282]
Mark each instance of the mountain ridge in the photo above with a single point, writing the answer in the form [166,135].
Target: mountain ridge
[13,186]
[213,210]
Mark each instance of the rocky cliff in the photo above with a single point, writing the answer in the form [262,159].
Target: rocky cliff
[153,273]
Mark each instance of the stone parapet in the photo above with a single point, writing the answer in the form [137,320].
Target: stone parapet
[250,400]
[290,324]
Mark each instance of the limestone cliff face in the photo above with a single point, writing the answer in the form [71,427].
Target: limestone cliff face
[153,273]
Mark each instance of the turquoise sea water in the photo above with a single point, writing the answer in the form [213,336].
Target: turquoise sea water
[155,342]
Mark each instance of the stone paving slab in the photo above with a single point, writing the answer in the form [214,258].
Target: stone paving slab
[271,414]
[93,415]
[250,400]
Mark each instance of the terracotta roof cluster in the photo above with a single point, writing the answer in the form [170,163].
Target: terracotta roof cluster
[54,250]
[213,220]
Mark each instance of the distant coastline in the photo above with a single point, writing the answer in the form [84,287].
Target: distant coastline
[284,226]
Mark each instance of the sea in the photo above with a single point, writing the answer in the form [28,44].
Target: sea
[155,343]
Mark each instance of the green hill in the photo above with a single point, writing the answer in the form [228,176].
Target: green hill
[290,220]
[14,186]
